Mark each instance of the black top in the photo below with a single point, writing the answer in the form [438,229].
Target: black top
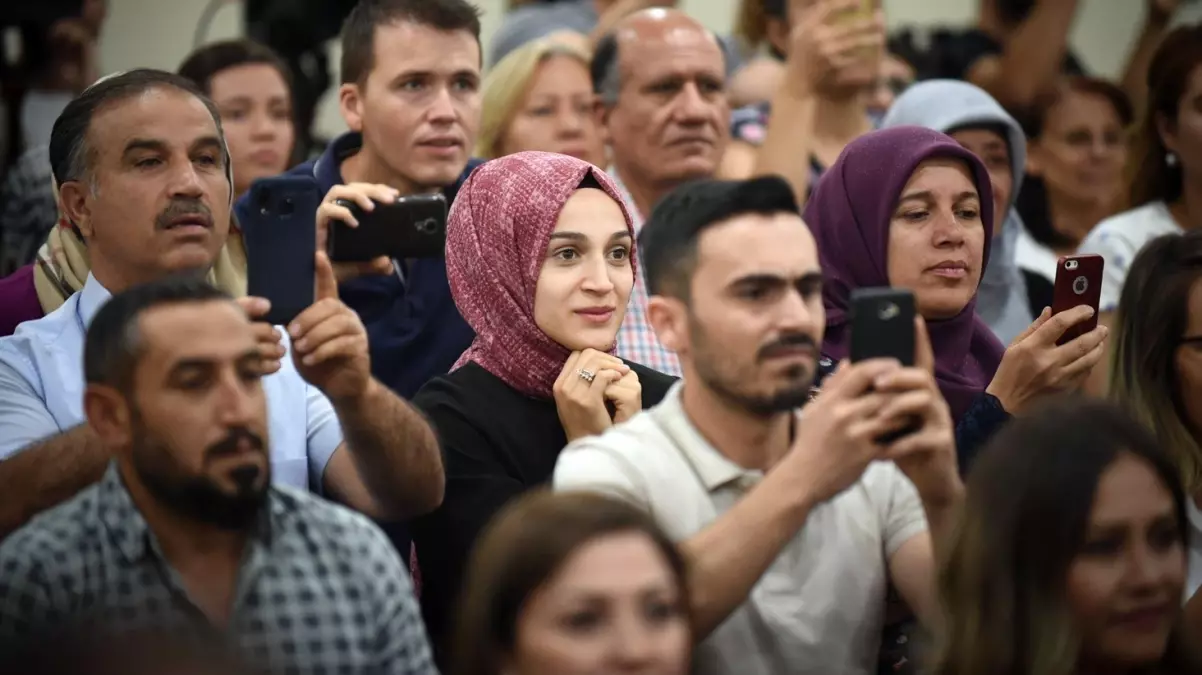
[496,444]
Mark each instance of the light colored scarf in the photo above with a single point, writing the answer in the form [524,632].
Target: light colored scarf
[949,105]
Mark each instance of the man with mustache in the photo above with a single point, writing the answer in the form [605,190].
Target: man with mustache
[660,78]
[791,521]
[144,175]
[185,532]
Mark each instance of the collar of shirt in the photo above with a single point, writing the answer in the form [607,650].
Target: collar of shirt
[130,532]
[711,466]
[91,298]
[635,215]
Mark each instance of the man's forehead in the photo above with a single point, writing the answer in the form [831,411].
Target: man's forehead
[162,113]
[210,330]
[666,29]
[777,244]
[403,46]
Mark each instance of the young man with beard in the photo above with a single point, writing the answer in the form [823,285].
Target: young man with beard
[791,524]
[185,531]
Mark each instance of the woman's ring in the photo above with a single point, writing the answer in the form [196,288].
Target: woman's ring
[585,375]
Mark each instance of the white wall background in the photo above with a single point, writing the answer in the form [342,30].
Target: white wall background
[159,33]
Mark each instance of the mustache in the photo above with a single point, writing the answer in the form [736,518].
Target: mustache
[229,444]
[788,342]
[178,208]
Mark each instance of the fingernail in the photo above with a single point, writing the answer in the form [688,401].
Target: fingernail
[294,330]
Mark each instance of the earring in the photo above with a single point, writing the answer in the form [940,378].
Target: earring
[1170,159]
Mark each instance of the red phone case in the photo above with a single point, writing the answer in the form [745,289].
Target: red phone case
[1078,282]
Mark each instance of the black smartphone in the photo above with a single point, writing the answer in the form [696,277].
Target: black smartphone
[882,324]
[281,244]
[410,227]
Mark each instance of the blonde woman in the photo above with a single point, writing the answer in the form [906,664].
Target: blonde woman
[540,97]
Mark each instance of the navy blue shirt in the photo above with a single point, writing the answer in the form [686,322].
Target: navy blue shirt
[414,329]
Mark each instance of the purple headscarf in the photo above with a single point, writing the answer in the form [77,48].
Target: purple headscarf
[849,213]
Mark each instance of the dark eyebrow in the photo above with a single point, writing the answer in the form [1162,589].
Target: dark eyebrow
[924,195]
[151,144]
[808,280]
[205,142]
[568,236]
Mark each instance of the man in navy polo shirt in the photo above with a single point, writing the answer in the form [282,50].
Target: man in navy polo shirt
[410,94]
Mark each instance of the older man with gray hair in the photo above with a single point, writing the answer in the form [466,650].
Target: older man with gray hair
[661,80]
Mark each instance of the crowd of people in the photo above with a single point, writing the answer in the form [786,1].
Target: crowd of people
[620,425]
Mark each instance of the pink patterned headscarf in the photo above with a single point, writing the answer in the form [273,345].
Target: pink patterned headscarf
[497,235]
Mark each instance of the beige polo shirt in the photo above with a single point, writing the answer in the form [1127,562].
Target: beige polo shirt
[819,609]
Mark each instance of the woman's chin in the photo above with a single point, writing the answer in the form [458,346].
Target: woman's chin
[601,340]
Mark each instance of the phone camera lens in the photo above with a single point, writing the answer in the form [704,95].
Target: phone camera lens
[1070,265]
[427,226]
[287,207]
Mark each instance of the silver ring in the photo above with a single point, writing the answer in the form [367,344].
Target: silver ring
[585,375]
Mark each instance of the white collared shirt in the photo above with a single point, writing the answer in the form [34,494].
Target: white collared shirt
[820,607]
[42,384]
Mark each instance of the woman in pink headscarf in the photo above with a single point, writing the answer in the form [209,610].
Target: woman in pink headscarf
[540,259]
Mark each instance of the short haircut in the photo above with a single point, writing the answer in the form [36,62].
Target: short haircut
[359,29]
[113,344]
[505,88]
[203,64]
[605,71]
[70,156]
[668,240]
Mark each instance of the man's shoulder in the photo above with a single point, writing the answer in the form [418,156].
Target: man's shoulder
[333,528]
[641,449]
[1131,228]
[33,339]
[52,538]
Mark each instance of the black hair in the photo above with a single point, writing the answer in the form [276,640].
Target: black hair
[70,155]
[1014,12]
[668,240]
[201,65]
[112,345]
[359,29]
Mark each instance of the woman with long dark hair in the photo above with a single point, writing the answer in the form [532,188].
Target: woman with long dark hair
[1165,168]
[1069,558]
[1156,372]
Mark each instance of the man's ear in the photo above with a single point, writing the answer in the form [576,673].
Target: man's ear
[601,113]
[669,318]
[108,415]
[74,200]
[350,104]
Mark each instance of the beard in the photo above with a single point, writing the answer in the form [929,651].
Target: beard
[199,497]
[720,370]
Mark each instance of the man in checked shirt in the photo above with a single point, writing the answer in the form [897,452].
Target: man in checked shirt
[186,532]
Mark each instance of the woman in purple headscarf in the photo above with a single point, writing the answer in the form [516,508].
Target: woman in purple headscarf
[909,207]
